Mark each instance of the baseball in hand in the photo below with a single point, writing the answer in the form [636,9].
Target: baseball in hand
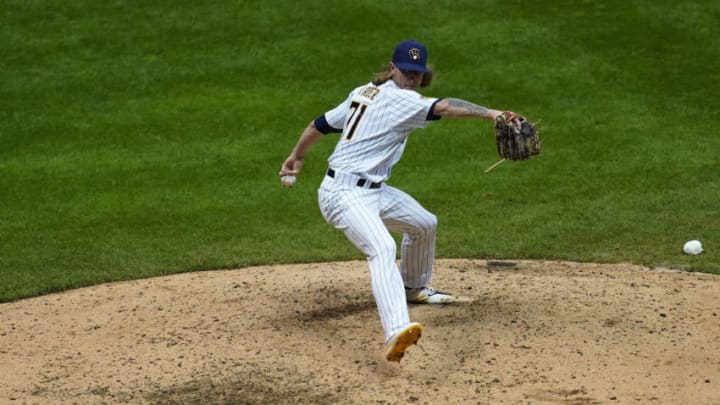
[288,181]
[693,247]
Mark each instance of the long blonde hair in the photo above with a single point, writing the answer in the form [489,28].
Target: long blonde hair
[386,74]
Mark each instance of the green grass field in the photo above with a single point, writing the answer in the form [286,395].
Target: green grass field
[144,138]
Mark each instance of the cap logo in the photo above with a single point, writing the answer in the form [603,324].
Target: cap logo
[414,54]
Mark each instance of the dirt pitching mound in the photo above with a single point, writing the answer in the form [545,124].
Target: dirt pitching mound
[525,332]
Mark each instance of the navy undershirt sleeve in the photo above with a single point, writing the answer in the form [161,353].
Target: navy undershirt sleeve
[431,114]
[322,125]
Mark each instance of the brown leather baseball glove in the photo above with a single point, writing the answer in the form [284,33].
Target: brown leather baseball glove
[516,137]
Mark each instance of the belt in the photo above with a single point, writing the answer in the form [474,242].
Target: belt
[365,183]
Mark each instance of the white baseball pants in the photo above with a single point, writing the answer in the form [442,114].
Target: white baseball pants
[366,216]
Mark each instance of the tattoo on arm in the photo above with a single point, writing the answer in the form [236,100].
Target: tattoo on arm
[467,107]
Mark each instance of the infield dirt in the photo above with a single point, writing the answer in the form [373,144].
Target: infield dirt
[525,333]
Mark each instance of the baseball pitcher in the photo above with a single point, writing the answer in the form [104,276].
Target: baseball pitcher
[374,123]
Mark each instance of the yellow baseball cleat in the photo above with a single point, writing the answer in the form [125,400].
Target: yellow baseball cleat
[402,340]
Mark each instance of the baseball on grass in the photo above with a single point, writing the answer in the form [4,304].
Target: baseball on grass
[288,181]
[693,247]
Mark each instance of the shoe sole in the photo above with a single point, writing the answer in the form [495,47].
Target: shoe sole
[448,299]
[404,339]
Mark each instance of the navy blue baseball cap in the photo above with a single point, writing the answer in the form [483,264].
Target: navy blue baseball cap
[411,55]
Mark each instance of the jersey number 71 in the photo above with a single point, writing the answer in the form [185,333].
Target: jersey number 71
[358,110]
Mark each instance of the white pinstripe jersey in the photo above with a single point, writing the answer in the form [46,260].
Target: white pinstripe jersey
[375,122]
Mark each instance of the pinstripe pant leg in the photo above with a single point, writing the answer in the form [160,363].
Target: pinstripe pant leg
[356,213]
[403,213]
